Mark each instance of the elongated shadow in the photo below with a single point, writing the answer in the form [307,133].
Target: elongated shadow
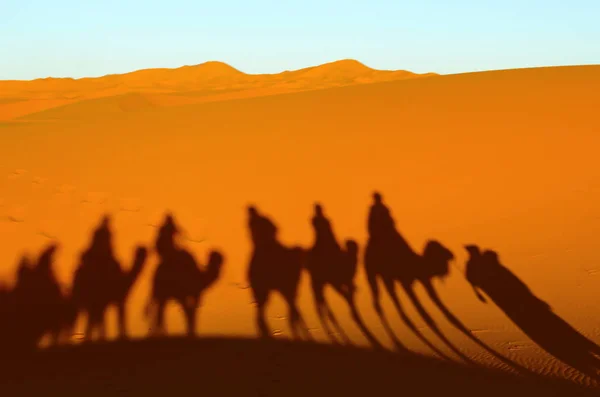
[389,256]
[330,264]
[430,269]
[531,314]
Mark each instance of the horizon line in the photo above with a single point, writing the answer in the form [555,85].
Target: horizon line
[290,70]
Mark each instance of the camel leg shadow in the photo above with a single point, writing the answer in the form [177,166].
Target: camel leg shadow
[431,292]
[375,295]
[348,295]
[333,319]
[158,327]
[190,310]
[261,298]
[324,312]
[296,322]
[429,321]
[95,326]
[122,320]
[390,287]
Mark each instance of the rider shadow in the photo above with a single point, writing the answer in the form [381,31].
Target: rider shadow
[274,267]
[178,277]
[330,264]
[389,256]
[531,314]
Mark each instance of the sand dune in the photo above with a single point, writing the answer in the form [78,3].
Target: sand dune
[502,159]
[186,84]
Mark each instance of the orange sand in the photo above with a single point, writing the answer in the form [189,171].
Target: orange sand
[503,159]
[210,81]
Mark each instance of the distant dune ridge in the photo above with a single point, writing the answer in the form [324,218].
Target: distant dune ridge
[185,85]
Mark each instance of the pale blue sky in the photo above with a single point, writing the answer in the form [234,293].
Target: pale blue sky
[77,38]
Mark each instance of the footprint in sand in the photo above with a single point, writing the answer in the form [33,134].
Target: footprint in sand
[95,198]
[16,214]
[17,173]
[38,181]
[130,205]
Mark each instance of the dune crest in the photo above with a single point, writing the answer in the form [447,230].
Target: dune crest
[188,84]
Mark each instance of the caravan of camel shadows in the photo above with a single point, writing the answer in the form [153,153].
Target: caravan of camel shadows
[36,307]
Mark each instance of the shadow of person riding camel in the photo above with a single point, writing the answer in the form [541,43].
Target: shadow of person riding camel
[528,312]
[100,281]
[389,257]
[274,267]
[35,306]
[178,277]
[330,264]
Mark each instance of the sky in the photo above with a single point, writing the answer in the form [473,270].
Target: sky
[76,38]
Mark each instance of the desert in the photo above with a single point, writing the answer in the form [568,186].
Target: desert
[504,160]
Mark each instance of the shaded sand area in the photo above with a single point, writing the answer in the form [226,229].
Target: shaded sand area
[505,160]
[229,366]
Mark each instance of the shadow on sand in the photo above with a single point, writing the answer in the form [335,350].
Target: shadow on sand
[253,367]
[532,315]
[36,306]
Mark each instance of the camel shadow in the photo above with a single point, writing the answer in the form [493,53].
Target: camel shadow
[389,257]
[100,282]
[274,267]
[430,270]
[330,264]
[532,315]
[178,277]
[35,306]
